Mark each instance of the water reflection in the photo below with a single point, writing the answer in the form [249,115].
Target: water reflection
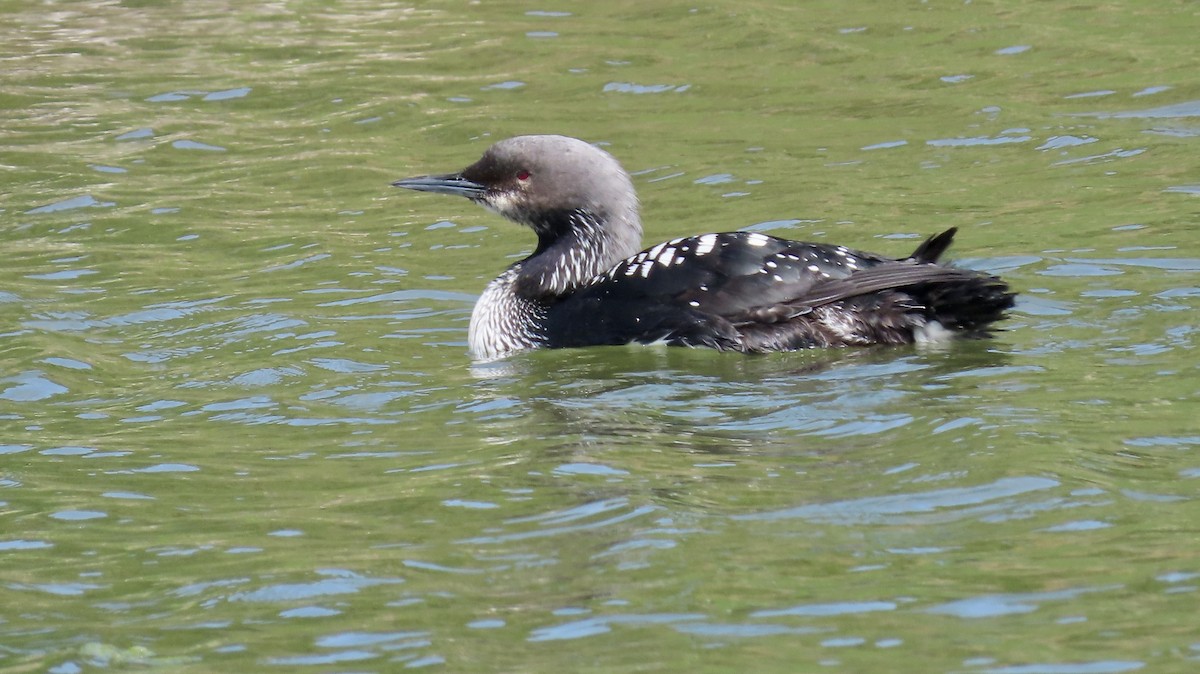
[241,430]
[683,397]
[921,507]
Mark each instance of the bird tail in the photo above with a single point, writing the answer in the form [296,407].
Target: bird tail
[932,248]
[968,307]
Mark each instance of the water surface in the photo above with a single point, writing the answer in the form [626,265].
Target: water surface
[239,430]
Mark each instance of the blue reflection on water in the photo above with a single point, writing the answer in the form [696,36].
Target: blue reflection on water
[344,582]
[579,629]
[1098,667]
[83,201]
[894,508]
[837,608]
[991,606]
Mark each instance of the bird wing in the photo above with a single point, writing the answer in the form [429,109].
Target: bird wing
[727,274]
[700,289]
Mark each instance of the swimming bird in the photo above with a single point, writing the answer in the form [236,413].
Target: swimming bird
[587,284]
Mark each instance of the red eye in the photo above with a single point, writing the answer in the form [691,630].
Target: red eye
[522,175]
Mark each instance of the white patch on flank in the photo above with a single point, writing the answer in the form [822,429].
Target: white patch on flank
[844,325]
[931,333]
[661,341]
[653,252]
[666,257]
[646,268]
[706,244]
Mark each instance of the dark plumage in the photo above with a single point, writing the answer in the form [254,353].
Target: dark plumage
[586,285]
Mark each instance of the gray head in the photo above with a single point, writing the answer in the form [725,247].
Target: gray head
[558,186]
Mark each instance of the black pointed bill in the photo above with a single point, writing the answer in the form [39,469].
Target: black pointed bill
[452,183]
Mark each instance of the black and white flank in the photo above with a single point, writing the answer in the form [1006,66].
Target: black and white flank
[586,283]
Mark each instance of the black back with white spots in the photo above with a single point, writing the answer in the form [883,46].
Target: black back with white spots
[747,291]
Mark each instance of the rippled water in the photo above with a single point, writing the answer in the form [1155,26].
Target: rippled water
[239,430]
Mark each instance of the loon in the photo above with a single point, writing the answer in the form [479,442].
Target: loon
[587,284]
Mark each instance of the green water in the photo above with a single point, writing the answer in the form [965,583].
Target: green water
[239,430]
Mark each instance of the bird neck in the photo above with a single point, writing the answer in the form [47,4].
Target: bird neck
[575,247]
